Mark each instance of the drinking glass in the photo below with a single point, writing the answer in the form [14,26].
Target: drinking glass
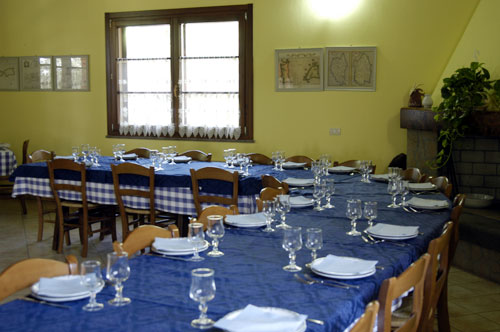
[329,191]
[172,153]
[269,209]
[393,189]
[85,151]
[314,241]
[117,272]
[116,152]
[226,157]
[197,237]
[97,154]
[121,151]
[155,160]
[281,160]
[232,155]
[318,193]
[353,212]
[316,170]
[370,212]
[274,158]
[366,168]
[325,162]
[202,290]
[75,151]
[292,242]
[404,189]
[283,207]
[91,278]
[215,230]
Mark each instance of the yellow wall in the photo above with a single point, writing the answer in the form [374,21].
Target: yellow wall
[414,39]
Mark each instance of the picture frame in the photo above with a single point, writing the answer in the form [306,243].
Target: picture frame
[71,72]
[299,69]
[9,74]
[351,68]
[35,73]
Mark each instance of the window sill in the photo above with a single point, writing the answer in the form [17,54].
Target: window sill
[183,138]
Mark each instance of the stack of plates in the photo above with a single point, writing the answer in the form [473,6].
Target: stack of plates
[425,186]
[182,159]
[60,289]
[393,232]
[300,201]
[380,177]
[292,165]
[339,267]
[176,246]
[246,220]
[129,156]
[4,146]
[341,169]
[427,204]
[295,182]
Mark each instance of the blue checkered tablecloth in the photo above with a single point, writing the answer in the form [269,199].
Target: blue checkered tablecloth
[7,162]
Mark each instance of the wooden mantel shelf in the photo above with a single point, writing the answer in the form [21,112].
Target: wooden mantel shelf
[417,118]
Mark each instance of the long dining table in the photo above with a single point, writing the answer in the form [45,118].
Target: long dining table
[251,271]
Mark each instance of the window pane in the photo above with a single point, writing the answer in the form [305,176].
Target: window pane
[210,110]
[148,41]
[210,39]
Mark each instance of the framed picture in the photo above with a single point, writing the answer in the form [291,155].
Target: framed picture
[71,72]
[35,73]
[299,69]
[9,73]
[350,68]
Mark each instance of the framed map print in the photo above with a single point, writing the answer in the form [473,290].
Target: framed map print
[350,68]
[299,69]
[9,73]
[36,73]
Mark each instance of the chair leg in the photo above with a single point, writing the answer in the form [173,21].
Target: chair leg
[442,310]
[68,239]
[39,204]
[84,224]
[60,221]
[23,205]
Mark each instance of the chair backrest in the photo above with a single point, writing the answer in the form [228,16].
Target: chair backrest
[25,151]
[258,158]
[367,321]
[131,169]
[213,173]
[268,194]
[300,159]
[443,185]
[77,189]
[436,276]
[392,288]
[271,181]
[140,152]
[459,199]
[28,271]
[197,155]
[354,164]
[40,156]
[143,237]
[412,174]
[214,210]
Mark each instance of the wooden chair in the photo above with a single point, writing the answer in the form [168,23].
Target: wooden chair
[258,158]
[212,173]
[143,237]
[459,199]
[367,321]
[271,181]
[436,279]
[354,164]
[140,152]
[197,155]
[300,159]
[395,287]
[87,214]
[28,271]
[412,175]
[40,156]
[426,178]
[268,194]
[138,216]
[443,185]
[25,151]
[214,210]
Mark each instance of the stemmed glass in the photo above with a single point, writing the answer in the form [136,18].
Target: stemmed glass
[269,209]
[325,162]
[281,160]
[353,212]
[370,212]
[155,160]
[117,272]
[91,278]
[226,154]
[314,241]
[393,190]
[404,189]
[316,169]
[85,151]
[75,151]
[283,207]
[292,242]
[231,157]
[97,154]
[366,168]
[275,158]
[330,190]
[215,230]
[116,152]
[196,236]
[318,193]
[172,153]
[202,290]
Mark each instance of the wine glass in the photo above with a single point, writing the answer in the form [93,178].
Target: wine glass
[370,212]
[269,209]
[172,154]
[281,160]
[202,290]
[75,151]
[353,212]
[404,189]
[316,169]
[91,278]
[283,207]
[318,193]
[292,242]
[393,189]
[121,151]
[330,190]
[215,230]
[85,151]
[97,154]
[314,241]
[117,272]
[274,158]
[197,238]
[226,157]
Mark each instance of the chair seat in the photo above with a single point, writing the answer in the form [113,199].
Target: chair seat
[78,205]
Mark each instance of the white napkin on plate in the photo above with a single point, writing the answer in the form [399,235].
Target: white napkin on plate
[300,201]
[427,203]
[341,169]
[332,264]
[61,286]
[299,182]
[182,159]
[172,244]
[256,319]
[392,230]
[422,186]
[246,219]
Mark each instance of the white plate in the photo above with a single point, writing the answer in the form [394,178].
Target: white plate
[342,275]
[300,202]
[71,279]
[182,159]
[426,186]
[394,232]
[387,237]
[295,182]
[180,252]
[246,220]
[293,165]
[341,169]
[78,296]
[302,328]
[380,177]
[427,204]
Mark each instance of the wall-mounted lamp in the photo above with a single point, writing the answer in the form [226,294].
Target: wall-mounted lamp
[334,9]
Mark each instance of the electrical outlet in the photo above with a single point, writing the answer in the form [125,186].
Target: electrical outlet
[334,131]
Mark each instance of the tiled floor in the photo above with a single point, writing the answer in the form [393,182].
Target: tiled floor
[474,303]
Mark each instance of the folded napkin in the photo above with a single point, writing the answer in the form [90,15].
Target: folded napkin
[182,159]
[299,182]
[61,286]
[380,177]
[246,219]
[427,203]
[422,186]
[173,244]
[341,169]
[339,265]
[392,230]
[129,156]
[4,145]
[291,164]
[257,319]
[300,201]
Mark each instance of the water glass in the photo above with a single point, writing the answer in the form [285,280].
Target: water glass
[353,212]
[281,160]
[97,154]
[269,209]
[329,191]
[370,212]
[196,236]
[85,151]
[404,190]
[75,151]
[393,189]
[274,158]
[202,290]
[117,272]
[121,151]
[314,241]
[91,278]
[366,168]
[292,242]
[172,153]
[319,192]
[283,206]
[215,230]
[316,169]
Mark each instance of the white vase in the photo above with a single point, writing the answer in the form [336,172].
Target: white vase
[427,101]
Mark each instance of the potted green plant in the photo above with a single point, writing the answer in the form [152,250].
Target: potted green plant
[466,91]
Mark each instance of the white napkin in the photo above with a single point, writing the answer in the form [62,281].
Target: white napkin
[255,319]
[299,182]
[421,186]
[129,156]
[246,219]
[61,286]
[341,169]
[291,164]
[172,244]
[300,201]
[182,159]
[392,230]
[428,203]
[343,265]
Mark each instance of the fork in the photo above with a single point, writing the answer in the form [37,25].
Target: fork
[311,282]
[170,257]
[330,282]
[387,241]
